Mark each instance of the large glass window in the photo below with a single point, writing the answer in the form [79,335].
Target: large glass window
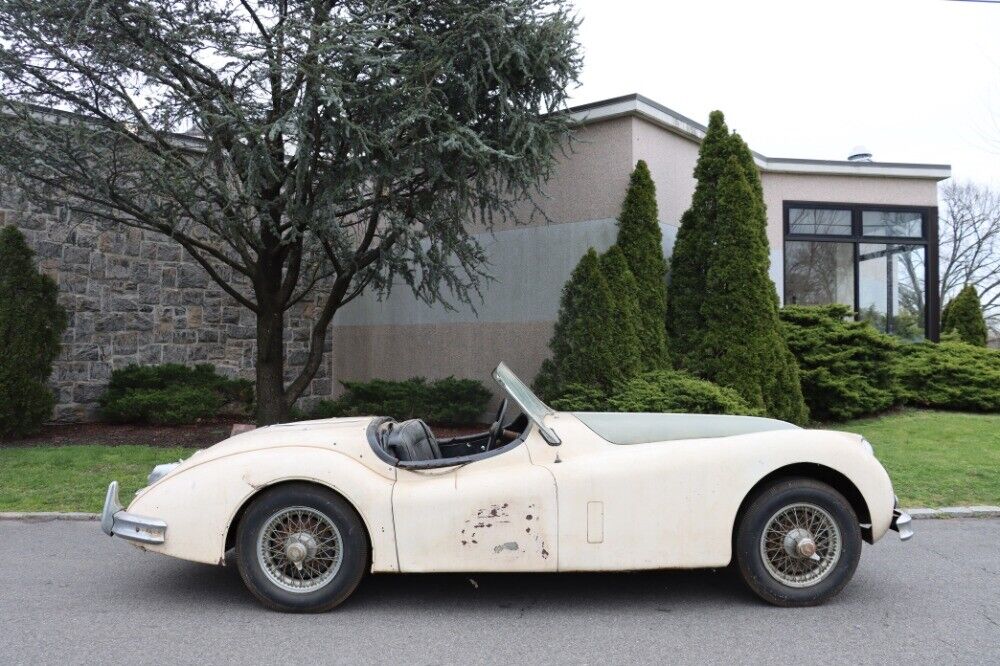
[892,288]
[877,264]
[892,223]
[819,221]
[818,273]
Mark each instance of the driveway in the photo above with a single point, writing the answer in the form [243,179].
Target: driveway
[68,594]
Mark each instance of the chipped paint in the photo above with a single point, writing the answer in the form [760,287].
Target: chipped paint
[510,545]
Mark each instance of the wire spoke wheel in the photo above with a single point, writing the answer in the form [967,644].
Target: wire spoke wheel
[800,545]
[300,549]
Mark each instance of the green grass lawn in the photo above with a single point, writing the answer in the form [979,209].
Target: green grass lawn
[934,459]
[937,458]
[75,478]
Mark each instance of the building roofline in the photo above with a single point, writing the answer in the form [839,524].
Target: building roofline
[636,105]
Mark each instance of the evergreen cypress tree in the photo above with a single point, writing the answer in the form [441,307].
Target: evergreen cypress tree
[31,325]
[623,330]
[964,316]
[722,305]
[641,243]
[689,260]
[587,344]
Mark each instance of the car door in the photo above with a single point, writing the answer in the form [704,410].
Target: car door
[495,514]
[632,507]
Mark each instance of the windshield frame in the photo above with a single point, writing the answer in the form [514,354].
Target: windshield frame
[530,404]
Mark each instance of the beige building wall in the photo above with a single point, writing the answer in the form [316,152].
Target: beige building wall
[399,337]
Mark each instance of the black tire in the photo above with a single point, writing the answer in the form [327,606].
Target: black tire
[352,536]
[770,502]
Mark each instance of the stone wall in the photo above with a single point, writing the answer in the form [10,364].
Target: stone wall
[135,297]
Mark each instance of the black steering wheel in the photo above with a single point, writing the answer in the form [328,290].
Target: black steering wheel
[497,425]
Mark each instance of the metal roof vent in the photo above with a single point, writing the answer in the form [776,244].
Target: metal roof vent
[859,154]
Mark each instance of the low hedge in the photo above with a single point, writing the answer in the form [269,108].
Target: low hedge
[845,366]
[949,375]
[447,401]
[656,391]
[172,394]
[674,391]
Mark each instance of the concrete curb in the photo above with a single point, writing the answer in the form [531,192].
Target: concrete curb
[43,516]
[956,512]
[917,514]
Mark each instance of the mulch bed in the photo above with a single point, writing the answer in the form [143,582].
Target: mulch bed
[193,436]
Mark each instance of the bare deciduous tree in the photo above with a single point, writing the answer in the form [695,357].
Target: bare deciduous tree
[969,233]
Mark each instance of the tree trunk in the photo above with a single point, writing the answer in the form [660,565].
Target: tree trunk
[272,403]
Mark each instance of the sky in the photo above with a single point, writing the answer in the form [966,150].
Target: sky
[911,80]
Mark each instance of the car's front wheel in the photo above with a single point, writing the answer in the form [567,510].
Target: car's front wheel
[301,548]
[798,543]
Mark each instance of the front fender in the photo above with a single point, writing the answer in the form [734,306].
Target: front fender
[837,451]
[199,502]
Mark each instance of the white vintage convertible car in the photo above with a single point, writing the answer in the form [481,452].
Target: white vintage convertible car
[310,507]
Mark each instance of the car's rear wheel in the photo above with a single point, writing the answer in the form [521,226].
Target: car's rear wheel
[301,548]
[798,543]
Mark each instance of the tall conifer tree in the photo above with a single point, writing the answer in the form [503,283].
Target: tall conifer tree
[623,324]
[689,260]
[723,306]
[641,243]
[593,344]
[964,315]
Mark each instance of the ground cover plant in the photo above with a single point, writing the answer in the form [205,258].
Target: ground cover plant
[845,366]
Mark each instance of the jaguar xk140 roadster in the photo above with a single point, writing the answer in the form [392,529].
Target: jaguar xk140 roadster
[310,507]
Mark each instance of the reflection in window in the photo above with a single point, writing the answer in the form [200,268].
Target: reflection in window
[886,223]
[819,273]
[892,289]
[819,221]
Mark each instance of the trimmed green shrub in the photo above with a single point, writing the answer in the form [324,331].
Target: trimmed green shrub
[673,391]
[580,398]
[964,316]
[171,405]
[846,366]
[456,401]
[949,375]
[31,325]
[655,391]
[172,394]
[722,306]
[641,241]
[447,401]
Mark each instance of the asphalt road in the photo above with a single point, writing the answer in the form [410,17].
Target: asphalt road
[70,595]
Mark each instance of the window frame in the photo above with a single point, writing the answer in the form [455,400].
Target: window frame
[928,239]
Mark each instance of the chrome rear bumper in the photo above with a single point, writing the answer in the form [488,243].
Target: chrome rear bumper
[115,521]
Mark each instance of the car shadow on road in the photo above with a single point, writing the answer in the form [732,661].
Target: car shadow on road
[662,590]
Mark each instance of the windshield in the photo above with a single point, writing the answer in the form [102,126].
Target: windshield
[529,403]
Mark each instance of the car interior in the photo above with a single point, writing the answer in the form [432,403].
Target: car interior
[413,441]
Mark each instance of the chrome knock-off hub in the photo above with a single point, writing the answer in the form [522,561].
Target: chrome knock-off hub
[799,543]
[299,547]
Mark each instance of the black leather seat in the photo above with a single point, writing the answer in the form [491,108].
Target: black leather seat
[412,440]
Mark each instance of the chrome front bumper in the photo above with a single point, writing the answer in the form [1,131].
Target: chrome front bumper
[115,521]
[901,522]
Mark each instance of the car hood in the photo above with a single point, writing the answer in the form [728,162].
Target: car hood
[644,428]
